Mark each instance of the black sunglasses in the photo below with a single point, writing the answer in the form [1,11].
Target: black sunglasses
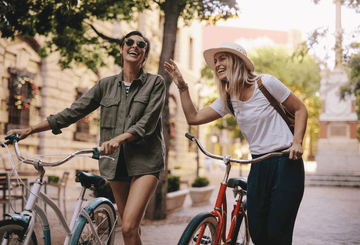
[130,42]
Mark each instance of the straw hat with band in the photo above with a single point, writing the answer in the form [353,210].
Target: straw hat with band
[233,48]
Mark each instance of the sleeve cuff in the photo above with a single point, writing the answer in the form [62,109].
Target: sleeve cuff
[54,128]
[139,141]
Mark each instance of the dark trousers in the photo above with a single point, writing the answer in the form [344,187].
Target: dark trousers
[275,190]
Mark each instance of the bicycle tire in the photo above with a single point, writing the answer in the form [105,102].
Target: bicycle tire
[239,235]
[16,229]
[103,218]
[190,234]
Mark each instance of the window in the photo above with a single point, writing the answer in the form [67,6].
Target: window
[82,132]
[22,93]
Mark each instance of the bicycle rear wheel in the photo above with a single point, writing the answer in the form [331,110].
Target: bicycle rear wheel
[13,230]
[205,221]
[103,220]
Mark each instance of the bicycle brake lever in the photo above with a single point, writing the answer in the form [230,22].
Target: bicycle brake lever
[11,139]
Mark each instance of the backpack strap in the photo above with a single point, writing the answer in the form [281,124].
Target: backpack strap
[276,105]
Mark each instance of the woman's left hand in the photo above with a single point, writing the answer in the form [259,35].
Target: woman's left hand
[296,151]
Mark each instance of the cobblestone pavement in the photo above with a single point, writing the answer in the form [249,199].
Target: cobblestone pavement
[327,215]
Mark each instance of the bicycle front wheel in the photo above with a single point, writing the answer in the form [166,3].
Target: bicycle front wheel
[204,223]
[103,220]
[13,231]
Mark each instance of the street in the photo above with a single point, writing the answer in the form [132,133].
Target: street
[327,215]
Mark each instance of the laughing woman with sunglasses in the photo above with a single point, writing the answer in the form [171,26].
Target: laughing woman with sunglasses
[130,131]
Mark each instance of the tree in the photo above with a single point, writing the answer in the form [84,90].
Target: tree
[66,23]
[353,86]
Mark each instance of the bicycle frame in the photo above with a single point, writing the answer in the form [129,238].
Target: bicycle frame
[69,229]
[80,214]
[220,209]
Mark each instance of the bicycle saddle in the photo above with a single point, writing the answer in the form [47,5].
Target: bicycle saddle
[238,181]
[87,180]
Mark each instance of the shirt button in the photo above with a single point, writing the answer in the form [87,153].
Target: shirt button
[128,116]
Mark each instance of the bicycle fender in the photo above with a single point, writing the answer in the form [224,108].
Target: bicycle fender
[94,203]
[88,209]
[17,217]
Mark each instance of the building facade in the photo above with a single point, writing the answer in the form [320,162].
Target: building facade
[32,88]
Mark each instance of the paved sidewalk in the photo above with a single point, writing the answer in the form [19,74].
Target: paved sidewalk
[327,216]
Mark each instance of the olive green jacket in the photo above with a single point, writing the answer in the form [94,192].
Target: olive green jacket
[139,114]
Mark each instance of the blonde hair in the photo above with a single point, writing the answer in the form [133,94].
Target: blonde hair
[237,77]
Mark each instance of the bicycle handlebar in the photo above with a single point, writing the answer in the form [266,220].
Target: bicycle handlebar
[229,159]
[14,138]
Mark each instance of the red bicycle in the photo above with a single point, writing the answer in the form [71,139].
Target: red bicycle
[210,227]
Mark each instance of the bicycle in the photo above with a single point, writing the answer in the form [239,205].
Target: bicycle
[93,224]
[210,227]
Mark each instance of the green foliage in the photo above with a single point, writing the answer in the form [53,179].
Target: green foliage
[200,182]
[68,24]
[53,178]
[173,183]
[353,86]
[104,191]
[300,73]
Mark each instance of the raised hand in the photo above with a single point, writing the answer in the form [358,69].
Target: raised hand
[173,71]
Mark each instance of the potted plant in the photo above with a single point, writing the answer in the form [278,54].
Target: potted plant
[53,179]
[175,197]
[200,191]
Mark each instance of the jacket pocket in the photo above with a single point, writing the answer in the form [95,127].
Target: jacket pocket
[109,107]
[139,104]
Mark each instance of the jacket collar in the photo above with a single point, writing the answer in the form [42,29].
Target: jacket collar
[141,78]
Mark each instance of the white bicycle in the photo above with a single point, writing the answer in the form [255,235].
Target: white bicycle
[94,224]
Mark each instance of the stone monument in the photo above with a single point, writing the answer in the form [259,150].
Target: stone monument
[338,147]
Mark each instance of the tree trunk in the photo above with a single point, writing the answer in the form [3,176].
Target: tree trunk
[172,9]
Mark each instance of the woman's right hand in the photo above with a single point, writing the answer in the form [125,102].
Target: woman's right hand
[173,71]
[23,132]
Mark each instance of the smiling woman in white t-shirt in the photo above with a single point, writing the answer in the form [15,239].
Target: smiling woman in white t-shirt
[275,185]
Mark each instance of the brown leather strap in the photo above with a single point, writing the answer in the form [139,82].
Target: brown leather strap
[228,100]
[274,103]
[229,104]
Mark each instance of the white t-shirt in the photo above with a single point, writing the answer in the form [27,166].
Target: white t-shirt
[262,126]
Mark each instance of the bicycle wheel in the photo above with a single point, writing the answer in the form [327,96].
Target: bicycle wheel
[191,233]
[103,220]
[13,231]
[240,235]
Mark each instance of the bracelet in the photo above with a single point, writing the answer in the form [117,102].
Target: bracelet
[182,89]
